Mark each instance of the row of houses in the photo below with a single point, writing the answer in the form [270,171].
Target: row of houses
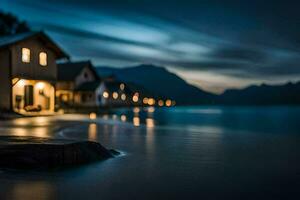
[37,78]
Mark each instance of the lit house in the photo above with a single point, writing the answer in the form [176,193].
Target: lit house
[111,93]
[28,73]
[74,81]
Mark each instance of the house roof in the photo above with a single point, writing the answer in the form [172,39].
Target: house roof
[69,70]
[88,86]
[48,42]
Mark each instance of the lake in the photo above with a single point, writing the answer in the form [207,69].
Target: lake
[170,153]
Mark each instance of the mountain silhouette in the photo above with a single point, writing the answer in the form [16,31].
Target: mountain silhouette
[160,82]
[163,83]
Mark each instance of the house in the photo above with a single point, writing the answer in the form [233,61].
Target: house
[73,86]
[28,73]
[112,93]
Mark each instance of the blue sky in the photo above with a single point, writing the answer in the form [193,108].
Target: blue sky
[212,44]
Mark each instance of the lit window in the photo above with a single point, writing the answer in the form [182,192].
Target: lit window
[25,55]
[43,59]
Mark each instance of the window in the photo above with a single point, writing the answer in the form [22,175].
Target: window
[43,59]
[25,55]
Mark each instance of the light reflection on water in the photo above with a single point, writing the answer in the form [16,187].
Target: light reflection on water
[173,154]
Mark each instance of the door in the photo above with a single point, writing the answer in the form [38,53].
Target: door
[28,95]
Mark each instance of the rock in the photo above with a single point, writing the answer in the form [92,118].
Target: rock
[45,153]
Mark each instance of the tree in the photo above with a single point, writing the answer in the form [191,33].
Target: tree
[10,24]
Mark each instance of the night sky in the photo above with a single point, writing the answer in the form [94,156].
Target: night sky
[213,44]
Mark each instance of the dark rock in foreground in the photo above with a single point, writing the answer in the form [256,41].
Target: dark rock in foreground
[44,153]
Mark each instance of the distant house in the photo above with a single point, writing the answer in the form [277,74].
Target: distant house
[112,93]
[75,82]
[28,73]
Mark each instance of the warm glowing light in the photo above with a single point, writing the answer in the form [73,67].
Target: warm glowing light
[135,98]
[145,100]
[115,95]
[136,121]
[151,109]
[161,103]
[149,123]
[136,110]
[92,132]
[93,115]
[105,95]
[40,85]
[21,82]
[43,58]
[25,55]
[123,118]
[123,97]
[122,86]
[168,102]
[151,101]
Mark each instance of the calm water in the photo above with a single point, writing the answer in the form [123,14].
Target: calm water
[175,153]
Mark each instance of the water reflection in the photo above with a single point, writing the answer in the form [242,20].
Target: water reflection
[92,132]
[32,190]
[150,123]
[136,121]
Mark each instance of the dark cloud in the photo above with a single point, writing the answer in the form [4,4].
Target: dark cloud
[250,39]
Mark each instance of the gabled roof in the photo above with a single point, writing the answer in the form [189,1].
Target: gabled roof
[88,86]
[69,70]
[48,42]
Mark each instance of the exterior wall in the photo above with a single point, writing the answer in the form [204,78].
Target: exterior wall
[85,99]
[65,85]
[86,75]
[5,80]
[33,70]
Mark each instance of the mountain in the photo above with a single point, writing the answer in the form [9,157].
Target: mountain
[262,95]
[161,82]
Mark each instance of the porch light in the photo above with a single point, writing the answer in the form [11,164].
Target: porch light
[40,85]
[21,83]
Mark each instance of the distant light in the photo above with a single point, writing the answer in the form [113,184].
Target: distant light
[136,121]
[105,95]
[123,97]
[145,100]
[115,95]
[135,98]
[122,86]
[151,101]
[123,118]
[161,103]
[93,115]
[168,103]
